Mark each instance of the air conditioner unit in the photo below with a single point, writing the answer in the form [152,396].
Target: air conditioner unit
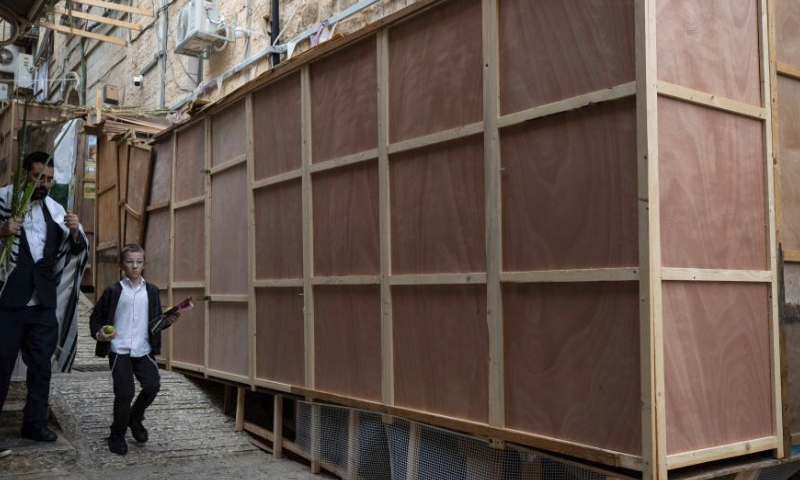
[8,58]
[23,76]
[199,28]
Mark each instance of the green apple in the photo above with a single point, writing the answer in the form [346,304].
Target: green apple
[108,330]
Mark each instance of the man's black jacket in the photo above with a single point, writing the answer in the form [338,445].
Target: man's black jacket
[106,307]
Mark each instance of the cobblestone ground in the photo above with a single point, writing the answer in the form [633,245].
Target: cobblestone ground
[190,437]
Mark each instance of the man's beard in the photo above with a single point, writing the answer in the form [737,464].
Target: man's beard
[39,193]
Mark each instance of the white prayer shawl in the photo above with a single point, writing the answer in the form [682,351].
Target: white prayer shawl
[69,272]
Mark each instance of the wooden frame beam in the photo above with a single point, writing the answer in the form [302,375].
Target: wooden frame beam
[717,453]
[711,100]
[344,161]
[116,6]
[788,70]
[715,275]
[82,33]
[579,275]
[99,19]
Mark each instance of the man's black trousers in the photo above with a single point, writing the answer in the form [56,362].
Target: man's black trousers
[123,369]
[34,331]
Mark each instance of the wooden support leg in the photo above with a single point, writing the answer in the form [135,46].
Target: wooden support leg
[277,426]
[240,409]
[352,445]
[315,438]
[749,475]
[412,466]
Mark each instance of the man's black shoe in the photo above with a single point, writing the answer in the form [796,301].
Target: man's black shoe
[39,434]
[138,431]
[117,445]
[4,452]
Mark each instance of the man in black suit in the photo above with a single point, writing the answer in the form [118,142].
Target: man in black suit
[46,239]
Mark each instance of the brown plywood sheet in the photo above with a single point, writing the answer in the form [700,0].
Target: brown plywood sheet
[106,162]
[435,69]
[441,350]
[280,345]
[189,332]
[344,102]
[107,216]
[229,218]
[711,169]
[551,49]
[162,172]
[792,335]
[189,244]
[279,231]
[572,367]
[716,364]
[228,337]
[569,190]
[787,26]
[347,340]
[190,162]
[789,156]
[346,221]
[711,46]
[277,130]
[156,243]
[123,159]
[228,134]
[437,203]
[138,180]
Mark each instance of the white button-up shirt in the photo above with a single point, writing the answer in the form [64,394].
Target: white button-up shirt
[130,320]
[36,233]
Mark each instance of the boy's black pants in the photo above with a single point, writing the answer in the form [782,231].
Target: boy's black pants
[123,369]
[34,331]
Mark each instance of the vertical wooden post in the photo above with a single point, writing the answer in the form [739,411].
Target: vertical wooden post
[387,345]
[654,456]
[277,426]
[207,241]
[353,444]
[251,240]
[412,461]
[240,392]
[491,155]
[99,107]
[308,233]
[315,437]
[174,169]
[766,90]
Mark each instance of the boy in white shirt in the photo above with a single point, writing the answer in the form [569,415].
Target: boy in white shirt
[128,306]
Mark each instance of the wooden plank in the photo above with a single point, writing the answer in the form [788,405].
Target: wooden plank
[601,96]
[308,234]
[435,138]
[711,100]
[229,298]
[228,164]
[99,19]
[577,275]
[239,409]
[654,439]
[438,279]
[347,280]
[158,206]
[344,161]
[82,33]
[206,126]
[239,379]
[273,386]
[172,177]
[116,6]
[788,70]
[283,177]
[281,282]
[791,256]
[279,326]
[715,275]
[251,240]
[316,438]
[353,443]
[277,426]
[188,366]
[725,451]
[414,441]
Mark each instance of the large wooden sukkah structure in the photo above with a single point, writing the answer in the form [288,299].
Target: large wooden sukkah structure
[549,223]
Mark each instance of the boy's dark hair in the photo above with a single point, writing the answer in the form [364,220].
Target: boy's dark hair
[35,157]
[131,247]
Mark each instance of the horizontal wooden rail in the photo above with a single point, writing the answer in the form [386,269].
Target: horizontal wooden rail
[600,96]
[228,298]
[233,377]
[278,282]
[435,138]
[83,33]
[158,206]
[791,256]
[189,202]
[438,279]
[695,457]
[710,100]
[236,161]
[344,161]
[187,285]
[270,385]
[116,6]
[714,275]
[99,19]
[106,245]
[188,366]
[788,70]
[276,179]
[583,275]
[349,280]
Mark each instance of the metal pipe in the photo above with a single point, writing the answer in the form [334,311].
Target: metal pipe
[162,97]
[276,28]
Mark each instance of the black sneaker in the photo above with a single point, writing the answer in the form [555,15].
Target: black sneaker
[4,452]
[117,445]
[39,434]
[138,431]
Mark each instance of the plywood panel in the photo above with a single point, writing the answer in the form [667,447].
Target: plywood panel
[189,244]
[437,222]
[792,335]
[441,350]
[123,159]
[717,364]
[279,231]
[280,347]
[156,243]
[572,362]
[165,351]
[346,221]
[276,121]
[347,340]
[229,135]
[791,279]
[160,191]
[787,24]
[569,190]
[435,66]
[789,152]
[190,331]
[344,102]
[138,180]
[711,167]
[229,231]
[106,162]
[711,45]
[551,49]
[229,345]
[190,162]
[107,216]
